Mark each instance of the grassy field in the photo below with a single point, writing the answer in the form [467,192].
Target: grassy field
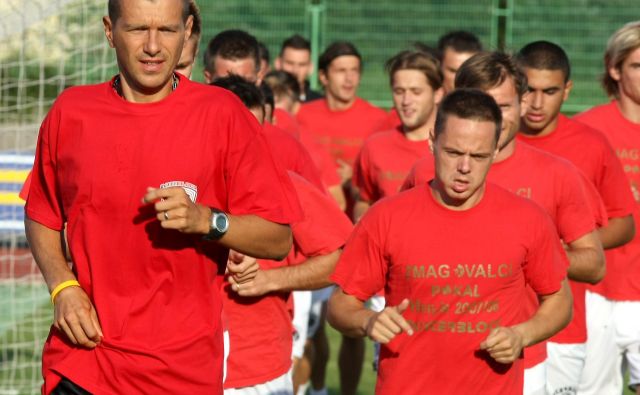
[25,316]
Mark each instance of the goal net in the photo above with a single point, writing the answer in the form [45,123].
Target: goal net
[45,46]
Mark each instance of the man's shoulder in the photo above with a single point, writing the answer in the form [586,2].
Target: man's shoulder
[580,128]
[312,108]
[381,140]
[365,106]
[82,93]
[596,112]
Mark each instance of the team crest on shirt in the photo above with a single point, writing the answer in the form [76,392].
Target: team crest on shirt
[189,188]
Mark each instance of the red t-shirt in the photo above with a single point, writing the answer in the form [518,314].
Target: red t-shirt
[260,329]
[557,186]
[292,154]
[622,281]
[459,287]
[384,162]
[392,121]
[589,150]
[341,132]
[286,122]
[156,291]
[322,159]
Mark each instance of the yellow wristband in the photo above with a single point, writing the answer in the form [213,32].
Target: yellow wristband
[61,286]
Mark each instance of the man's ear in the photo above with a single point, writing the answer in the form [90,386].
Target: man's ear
[567,89]
[108,30]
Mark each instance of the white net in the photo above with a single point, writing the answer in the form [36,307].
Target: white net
[45,46]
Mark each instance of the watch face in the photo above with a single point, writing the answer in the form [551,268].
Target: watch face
[221,223]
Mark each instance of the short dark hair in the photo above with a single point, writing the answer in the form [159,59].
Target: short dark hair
[335,50]
[459,41]
[296,42]
[544,55]
[194,10]
[416,60]
[486,70]
[468,103]
[263,52]
[246,91]
[114,10]
[283,83]
[232,45]
[428,49]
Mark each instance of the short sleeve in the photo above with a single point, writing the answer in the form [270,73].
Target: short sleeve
[575,216]
[324,228]
[362,175]
[546,263]
[363,266]
[256,183]
[44,204]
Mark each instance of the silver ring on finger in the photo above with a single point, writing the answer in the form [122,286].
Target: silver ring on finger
[166,215]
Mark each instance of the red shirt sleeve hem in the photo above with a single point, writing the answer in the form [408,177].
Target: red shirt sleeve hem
[51,223]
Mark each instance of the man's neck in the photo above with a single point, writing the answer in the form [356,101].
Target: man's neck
[438,193]
[629,108]
[420,133]
[140,95]
[547,130]
[339,105]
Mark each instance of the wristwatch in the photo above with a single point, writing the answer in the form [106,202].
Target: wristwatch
[218,226]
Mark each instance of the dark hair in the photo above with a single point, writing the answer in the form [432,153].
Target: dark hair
[544,55]
[296,42]
[428,49]
[246,91]
[335,50]
[416,60]
[283,83]
[263,52]
[471,104]
[460,41]
[114,10]
[194,10]
[232,45]
[486,70]
[267,94]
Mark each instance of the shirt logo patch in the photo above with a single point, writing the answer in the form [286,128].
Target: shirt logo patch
[189,188]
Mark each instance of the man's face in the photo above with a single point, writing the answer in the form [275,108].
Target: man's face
[547,92]
[342,78]
[188,57]
[148,38]
[463,155]
[451,62]
[628,77]
[296,62]
[245,68]
[512,109]
[413,98]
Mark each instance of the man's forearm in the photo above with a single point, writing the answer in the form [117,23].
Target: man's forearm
[257,237]
[311,274]
[553,314]
[347,314]
[46,247]
[618,232]
[586,259]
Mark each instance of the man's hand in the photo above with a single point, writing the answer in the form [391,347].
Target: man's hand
[503,344]
[76,317]
[241,269]
[260,285]
[175,210]
[387,324]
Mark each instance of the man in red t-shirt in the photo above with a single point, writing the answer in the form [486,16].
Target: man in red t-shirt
[543,126]
[551,182]
[131,173]
[387,157]
[295,58]
[454,256]
[340,123]
[614,305]
[455,48]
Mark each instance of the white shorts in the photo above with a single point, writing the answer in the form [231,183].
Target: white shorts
[318,299]
[301,310]
[282,385]
[565,363]
[535,380]
[613,329]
